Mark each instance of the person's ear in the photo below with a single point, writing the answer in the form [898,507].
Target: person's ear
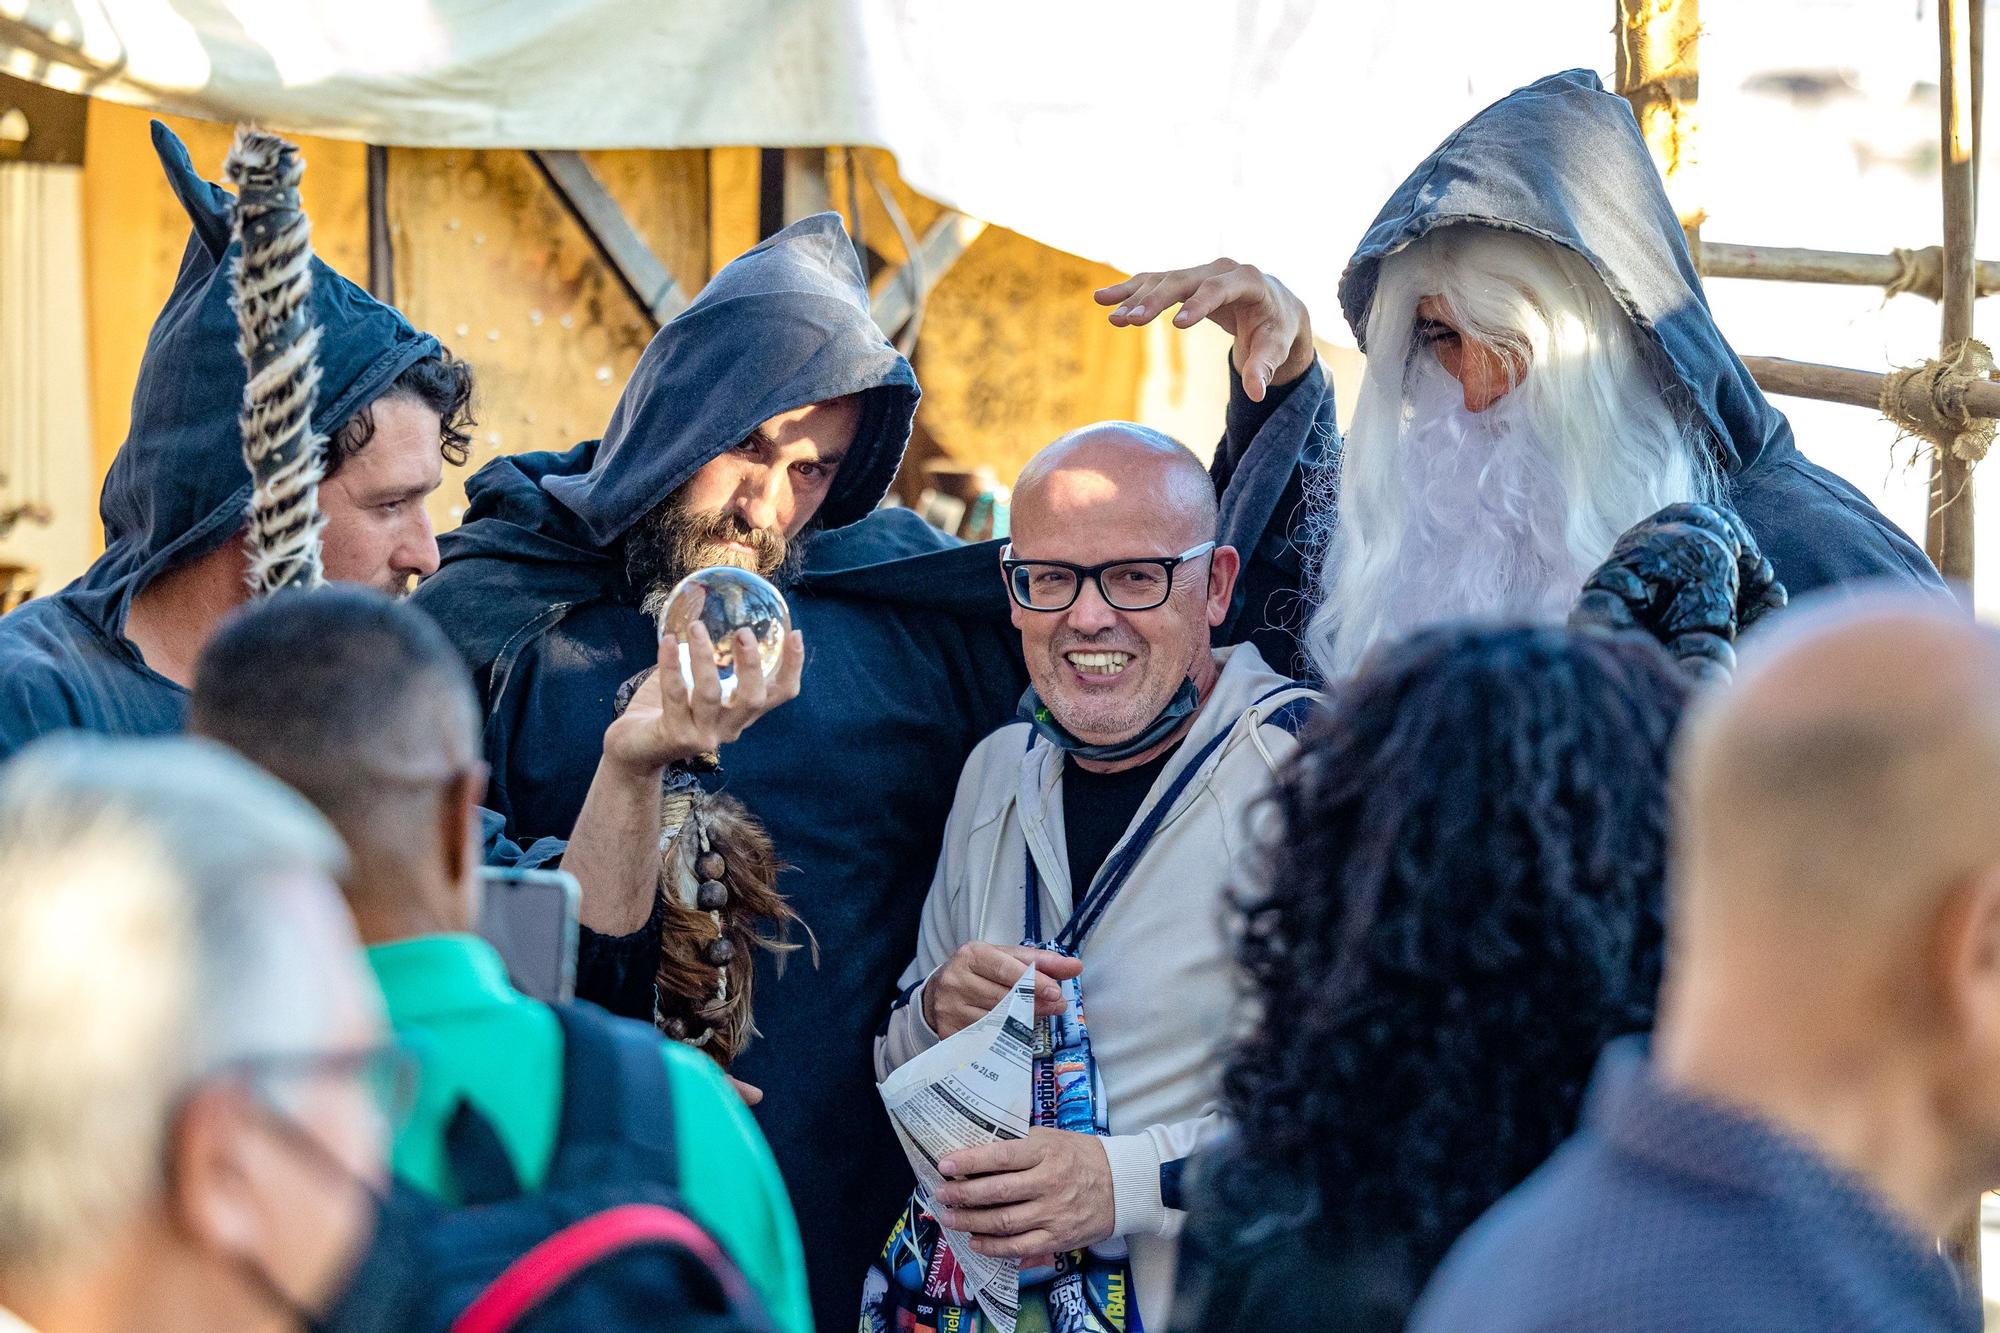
[210,1198]
[458,812]
[1224,564]
[461,840]
[1014,611]
[1968,959]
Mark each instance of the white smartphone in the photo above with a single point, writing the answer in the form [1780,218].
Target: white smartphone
[529,916]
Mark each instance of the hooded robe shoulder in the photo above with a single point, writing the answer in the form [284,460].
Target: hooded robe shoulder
[910,661]
[1562,159]
[178,488]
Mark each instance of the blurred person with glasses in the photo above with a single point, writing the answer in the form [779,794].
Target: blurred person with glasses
[1095,839]
[193,1128]
[359,703]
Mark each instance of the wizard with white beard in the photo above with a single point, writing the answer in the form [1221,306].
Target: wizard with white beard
[1544,372]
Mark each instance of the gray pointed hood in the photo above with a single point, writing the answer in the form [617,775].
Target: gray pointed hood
[1562,159]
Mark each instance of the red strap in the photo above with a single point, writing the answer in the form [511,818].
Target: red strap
[537,1274]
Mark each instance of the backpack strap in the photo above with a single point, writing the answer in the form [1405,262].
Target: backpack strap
[542,1271]
[480,1166]
[617,1102]
[1293,714]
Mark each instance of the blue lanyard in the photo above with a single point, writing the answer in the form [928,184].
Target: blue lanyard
[1111,878]
[1117,870]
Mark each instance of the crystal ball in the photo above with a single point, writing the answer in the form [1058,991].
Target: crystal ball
[725,599]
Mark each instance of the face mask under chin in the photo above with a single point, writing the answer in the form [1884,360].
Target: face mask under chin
[1042,718]
[374,1293]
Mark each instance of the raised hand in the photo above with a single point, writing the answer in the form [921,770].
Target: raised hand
[1273,333]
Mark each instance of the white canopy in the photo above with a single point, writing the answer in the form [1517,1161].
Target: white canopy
[1144,133]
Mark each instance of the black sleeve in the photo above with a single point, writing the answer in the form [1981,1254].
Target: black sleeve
[617,971]
[1245,418]
[1265,468]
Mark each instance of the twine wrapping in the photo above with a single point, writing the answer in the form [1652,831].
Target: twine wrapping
[1919,271]
[279,344]
[1928,401]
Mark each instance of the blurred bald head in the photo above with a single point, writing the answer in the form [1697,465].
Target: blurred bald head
[1847,782]
[1834,953]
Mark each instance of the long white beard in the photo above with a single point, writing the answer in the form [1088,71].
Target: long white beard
[1485,517]
[1488,525]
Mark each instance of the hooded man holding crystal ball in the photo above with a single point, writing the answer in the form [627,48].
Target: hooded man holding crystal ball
[761,429]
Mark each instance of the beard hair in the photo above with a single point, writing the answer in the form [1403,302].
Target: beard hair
[1433,512]
[1487,520]
[1484,515]
[672,542]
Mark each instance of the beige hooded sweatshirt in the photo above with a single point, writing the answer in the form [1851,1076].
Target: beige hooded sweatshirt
[1158,976]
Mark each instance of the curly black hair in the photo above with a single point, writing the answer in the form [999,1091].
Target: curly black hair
[443,383]
[1460,904]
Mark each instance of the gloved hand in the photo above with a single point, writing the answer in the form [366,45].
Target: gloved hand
[1692,577]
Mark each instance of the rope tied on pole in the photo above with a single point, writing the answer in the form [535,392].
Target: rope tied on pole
[1928,401]
[1920,271]
[279,344]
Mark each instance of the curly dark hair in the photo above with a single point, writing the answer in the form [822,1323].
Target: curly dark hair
[1461,904]
[443,383]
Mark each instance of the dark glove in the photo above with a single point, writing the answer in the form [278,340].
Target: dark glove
[1692,577]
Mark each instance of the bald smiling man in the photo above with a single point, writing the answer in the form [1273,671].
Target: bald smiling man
[1103,829]
[1822,1095]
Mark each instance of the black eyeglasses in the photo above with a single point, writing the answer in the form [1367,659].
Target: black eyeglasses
[1125,585]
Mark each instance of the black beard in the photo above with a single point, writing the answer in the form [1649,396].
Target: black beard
[670,543]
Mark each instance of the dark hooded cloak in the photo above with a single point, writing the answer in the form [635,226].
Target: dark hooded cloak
[910,661]
[178,488]
[1563,160]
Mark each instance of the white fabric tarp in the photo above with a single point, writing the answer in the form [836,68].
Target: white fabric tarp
[1144,133]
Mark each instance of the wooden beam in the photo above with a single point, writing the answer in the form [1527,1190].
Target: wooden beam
[806,188]
[733,185]
[1948,534]
[381,243]
[851,178]
[1962,67]
[899,292]
[40,124]
[1924,275]
[1658,71]
[637,268]
[1858,388]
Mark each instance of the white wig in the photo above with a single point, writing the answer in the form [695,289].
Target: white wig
[1438,513]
